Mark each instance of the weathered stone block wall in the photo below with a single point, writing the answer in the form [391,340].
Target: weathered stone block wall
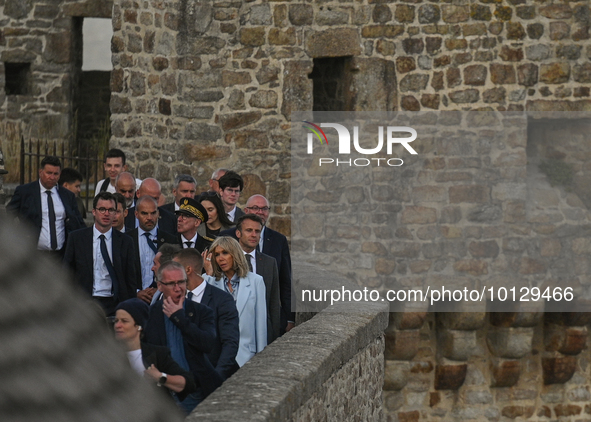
[46,35]
[496,367]
[328,368]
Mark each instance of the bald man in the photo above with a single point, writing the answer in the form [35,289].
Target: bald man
[166,220]
[126,186]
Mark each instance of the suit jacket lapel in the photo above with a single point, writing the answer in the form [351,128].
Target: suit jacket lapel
[88,253]
[243,294]
[207,294]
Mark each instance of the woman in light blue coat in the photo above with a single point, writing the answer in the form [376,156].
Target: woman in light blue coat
[230,273]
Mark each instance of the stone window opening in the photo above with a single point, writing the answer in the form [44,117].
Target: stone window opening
[331,80]
[92,60]
[18,78]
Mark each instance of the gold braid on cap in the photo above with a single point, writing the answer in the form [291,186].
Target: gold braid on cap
[193,211]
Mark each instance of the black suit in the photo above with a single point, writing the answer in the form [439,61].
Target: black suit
[201,244]
[26,205]
[266,267]
[196,324]
[79,257]
[168,207]
[275,245]
[166,220]
[239,213]
[160,357]
[225,348]
[161,238]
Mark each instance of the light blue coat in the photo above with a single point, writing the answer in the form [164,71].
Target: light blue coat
[252,314]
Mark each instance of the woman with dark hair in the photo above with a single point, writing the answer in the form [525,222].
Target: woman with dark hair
[227,269]
[217,220]
[152,362]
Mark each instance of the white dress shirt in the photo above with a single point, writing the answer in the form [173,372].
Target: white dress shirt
[198,292]
[253,260]
[232,214]
[146,256]
[44,242]
[184,239]
[102,284]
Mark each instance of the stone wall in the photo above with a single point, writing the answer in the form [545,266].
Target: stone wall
[48,36]
[328,368]
[495,367]
[213,84]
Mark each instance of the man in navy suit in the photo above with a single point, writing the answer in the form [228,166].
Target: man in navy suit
[223,355]
[102,258]
[49,209]
[274,244]
[248,230]
[166,220]
[147,238]
[184,186]
[230,187]
[187,328]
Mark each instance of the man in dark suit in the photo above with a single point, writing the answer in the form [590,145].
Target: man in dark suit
[166,220]
[50,210]
[187,328]
[223,355]
[190,215]
[231,185]
[274,244]
[184,186]
[248,231]
[147,238]
[101,257]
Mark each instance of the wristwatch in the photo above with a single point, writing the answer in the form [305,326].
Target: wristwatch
[162,380]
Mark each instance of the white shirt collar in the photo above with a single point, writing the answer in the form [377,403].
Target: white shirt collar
[97,233]
[43,188]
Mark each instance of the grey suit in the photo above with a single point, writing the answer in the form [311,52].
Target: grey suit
[266,267]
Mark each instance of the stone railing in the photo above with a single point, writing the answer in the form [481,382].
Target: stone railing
[330,367]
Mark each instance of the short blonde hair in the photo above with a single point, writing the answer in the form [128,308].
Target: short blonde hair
[231,246]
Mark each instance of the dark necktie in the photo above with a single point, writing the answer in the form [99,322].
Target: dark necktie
[189,244]
[108,263]
[150,243]
[52,230]
[189,295]
[248,260]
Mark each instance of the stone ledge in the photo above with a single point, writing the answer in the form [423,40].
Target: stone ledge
[280,379]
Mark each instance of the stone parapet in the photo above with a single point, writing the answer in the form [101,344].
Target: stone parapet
[334,358]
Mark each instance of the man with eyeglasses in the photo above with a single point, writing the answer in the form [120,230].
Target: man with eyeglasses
[274,244]
[190,215]
[102,258]
[231,185]
[187,328]
[147,238]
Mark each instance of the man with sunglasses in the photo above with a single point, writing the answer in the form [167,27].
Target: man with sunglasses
[187,328]
[102,258]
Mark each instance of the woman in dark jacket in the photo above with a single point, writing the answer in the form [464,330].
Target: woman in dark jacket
[153,362]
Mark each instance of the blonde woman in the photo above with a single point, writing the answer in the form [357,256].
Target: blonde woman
[227,269]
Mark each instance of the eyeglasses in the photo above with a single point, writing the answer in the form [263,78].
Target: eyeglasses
[103,210]
[173,283]
[183,217]
[257,209]
[233,191]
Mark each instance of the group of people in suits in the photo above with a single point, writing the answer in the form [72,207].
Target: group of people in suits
[199,276]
